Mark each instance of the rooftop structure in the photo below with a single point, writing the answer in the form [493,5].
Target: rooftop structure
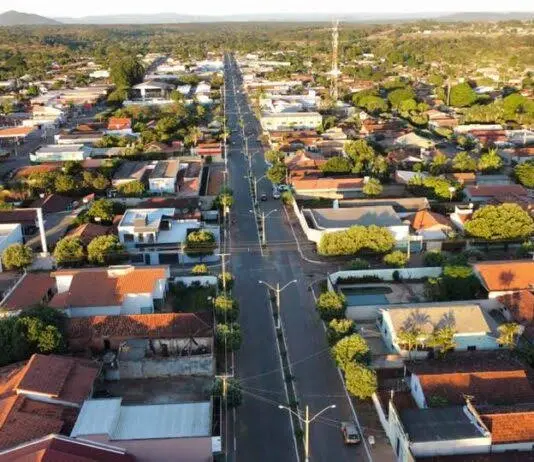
[382,215]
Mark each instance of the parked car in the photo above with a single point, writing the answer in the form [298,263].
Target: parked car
[351,435]
[263,197]
[284,187]
[276,193]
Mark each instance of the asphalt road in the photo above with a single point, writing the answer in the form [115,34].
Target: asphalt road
[263,432]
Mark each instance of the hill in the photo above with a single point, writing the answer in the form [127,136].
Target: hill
[16,18]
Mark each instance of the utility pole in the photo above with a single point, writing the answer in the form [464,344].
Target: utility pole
[223,261]
[263,231]
[335,69]
[306,421]
[278,291]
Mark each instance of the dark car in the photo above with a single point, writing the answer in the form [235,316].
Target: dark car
[263,197]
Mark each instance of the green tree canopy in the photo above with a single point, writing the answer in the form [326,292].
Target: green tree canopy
[133,188]
[17,256]
[339,328]
[462,95]
[398,96]
[229,335]
[126,72]
[356,239]
[101,210]
[277,173]
[336,165]
[69,252]
[500,222]
[372,187]
[463,162]
[360,380]
[524,173]
[396,259]
[349,349]
[226,308]
[331,305]
[105,250]
[273,156]
[490,161]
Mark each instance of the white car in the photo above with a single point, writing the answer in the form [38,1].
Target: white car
[284,187]
[276,193]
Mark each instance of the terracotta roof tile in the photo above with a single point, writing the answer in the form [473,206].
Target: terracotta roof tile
[162,325]
[326,183]
[119,123]
[88,231]
[496,190]
[508,456]
[32,289]
[506,275]
[15,131]
[28,170]
[23,216]
[424,219]
[509,424]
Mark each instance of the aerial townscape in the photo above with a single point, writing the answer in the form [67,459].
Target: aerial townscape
[266,236]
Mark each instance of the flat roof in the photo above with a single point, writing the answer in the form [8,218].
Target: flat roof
[61,148]
[141,422]
[286,115]
[130,169]
[438,424]
[152,217]
[165,169]
[401,204]
[380,215]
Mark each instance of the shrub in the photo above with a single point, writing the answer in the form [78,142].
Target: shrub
[234,394]
[434,258]
[287,197]
[331,305]
[396,259]
[200,269]
[339,328]
[349,349]
[355,239]
[359,264]
[69,252]
[228,278]
[131,189]
[105,250]
[226,308]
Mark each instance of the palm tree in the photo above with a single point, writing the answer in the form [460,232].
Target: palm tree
[442,339]
[508,333]
[194,135]
[408,340]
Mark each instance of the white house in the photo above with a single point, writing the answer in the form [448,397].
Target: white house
[155,236]
[162,178]
[474,329]
[61,153]
[113,290]
[432,227]
[272,121]
[10,233]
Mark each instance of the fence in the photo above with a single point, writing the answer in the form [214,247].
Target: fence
[190,280]
[385,274]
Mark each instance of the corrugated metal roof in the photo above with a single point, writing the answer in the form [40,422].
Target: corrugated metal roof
[163,421]
[97,417]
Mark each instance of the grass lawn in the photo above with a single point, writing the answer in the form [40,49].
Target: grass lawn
[192,299]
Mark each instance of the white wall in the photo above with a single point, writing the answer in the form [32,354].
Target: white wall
[204,280]
[160,289]
[479,445]
[137,304]
[387,274]
[162,185]
[417,391]
[63,283]
[14,237]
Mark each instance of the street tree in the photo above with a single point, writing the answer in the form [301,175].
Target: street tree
[17,257]
[226,308]
[500,222]
[339,328]
[349,349]
[273,156]
[234,394]
[331,305]
[229,336]
[101,210]
[360,380]
[277,173]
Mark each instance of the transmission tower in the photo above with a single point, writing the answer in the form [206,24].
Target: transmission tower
[334,73]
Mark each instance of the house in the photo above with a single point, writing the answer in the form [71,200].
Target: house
[474,329]
[43,396]
[461,215]
[30,290]
[487,377]
[405,176]
[403,206]
[156,236]
[324,221]
[79,136]
[53,203]
[56,448]
[179,432]
[312,186]
[484,193]
[152,89]
[290,120]
[30,220]
[88,231]
[119,126]
[61,153]
[304,161]
[438,119]
[121,290]
[162,178]
[176,333]
[10,233]
[505,277]
[213,150]
[412,139]
[129,171]
[433,227]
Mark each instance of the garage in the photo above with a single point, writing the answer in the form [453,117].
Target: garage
[168,258]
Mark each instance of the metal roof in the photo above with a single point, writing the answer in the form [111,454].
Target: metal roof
[107,416]
[380,215]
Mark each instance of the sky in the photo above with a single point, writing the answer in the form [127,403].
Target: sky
[64,8]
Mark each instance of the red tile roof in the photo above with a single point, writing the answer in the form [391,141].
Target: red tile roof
[304,160]
[424,219]
[61,377]
[16,131]
[496,190]
[22,216]
[509,425]
[28,170]
[53,203]
[326,183]
[521,307]
[119,123]
[508,456]
[32,289]
[506,275]
[162,325]
[56,448]
[113,285]
[88,231]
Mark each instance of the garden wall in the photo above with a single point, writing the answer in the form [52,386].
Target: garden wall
[203,280]
[385,274]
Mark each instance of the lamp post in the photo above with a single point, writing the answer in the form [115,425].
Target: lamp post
[277,290]
[255,184]
[307,421]
[263,232]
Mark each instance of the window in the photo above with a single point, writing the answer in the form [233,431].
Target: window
[140,238]
[471,348]
[128,237]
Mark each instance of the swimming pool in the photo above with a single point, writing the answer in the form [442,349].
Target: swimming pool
[358,296]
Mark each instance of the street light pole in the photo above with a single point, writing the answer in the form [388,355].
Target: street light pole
[278,290]
[306,421]
[263,232]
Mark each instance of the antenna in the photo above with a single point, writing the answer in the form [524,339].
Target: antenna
[335,70]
